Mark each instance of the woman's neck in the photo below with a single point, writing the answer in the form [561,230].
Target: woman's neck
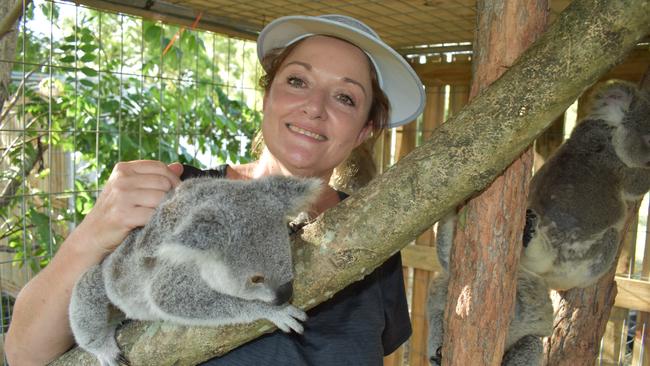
[267,165]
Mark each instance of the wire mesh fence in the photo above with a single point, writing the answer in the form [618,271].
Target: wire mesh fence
[89,89]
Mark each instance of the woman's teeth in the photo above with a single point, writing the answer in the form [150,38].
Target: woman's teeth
[306,133]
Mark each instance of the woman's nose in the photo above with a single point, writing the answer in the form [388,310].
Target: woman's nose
[314,106]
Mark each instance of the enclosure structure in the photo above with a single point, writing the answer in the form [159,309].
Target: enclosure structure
[422,32]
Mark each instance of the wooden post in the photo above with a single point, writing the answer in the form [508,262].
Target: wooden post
[615,335]
[485,254]
[418,355]
[641,351]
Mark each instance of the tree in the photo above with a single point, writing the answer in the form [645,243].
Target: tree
[461,158]
[101,99]
[484,259]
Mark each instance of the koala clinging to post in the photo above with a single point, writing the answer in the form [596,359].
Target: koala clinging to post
[215,252]
[578,200]
[533,314]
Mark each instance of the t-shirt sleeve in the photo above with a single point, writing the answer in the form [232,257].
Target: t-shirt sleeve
[193,172]
[398,324]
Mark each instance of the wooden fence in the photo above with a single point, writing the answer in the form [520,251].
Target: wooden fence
[447,90]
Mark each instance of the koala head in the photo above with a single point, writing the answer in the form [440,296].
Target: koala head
[627,109]
[238,237]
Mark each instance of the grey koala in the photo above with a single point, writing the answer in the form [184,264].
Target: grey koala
[578,200]
[215,252]
[533,314]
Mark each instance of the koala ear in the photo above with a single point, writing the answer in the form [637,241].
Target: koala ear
[296,194]
[612,100]
[201,228]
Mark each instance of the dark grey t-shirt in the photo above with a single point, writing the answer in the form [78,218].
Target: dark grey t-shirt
[357,327]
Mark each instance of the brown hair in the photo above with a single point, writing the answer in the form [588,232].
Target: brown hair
[379,108]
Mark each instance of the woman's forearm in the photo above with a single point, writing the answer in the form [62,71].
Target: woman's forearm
[39,331]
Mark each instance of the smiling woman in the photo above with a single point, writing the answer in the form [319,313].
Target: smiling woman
[316,110]
[330,82]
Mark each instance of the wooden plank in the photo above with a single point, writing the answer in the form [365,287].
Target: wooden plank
[418,350]
[613,348]
[641,350]
[444,73]
[420,257]
[633,294]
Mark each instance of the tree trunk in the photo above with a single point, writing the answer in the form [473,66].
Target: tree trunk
[8,38]
[485,255]
[461,158]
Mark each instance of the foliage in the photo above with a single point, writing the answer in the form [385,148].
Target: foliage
[103,92]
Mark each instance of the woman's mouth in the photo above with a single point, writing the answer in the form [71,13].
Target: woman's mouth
[302,131]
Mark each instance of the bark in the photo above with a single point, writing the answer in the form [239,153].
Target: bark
[8,38]
[485,255]
[461,158]
[581,315]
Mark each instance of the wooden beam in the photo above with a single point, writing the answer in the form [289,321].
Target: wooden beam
[633,294]
[460,73]
[444,73]
[175,14]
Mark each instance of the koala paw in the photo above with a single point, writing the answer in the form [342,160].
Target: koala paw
[288,318]
[112,358]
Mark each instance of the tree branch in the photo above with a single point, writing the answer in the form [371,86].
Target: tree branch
[7,23]
[462,157]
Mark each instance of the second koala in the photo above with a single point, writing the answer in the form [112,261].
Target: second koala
[215,252]
[579,199]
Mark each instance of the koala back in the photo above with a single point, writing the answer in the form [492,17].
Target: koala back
[234,233]
[579,198]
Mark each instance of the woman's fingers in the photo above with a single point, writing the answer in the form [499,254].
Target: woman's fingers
[129,198]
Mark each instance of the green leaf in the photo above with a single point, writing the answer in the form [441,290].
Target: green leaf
[88,71]
[88,47]
[69,58]
[152,33]
[87,37]
[86,82]
[88,57]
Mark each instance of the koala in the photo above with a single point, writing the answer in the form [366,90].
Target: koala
[533,314]
[578,200]
[215,252]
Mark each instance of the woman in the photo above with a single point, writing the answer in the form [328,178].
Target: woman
[329,83]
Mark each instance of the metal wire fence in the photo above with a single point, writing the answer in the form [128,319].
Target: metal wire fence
[89,89]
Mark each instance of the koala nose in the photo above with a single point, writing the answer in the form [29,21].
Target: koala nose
[284,293]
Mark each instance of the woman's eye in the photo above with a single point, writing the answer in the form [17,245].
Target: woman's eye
[346,99]
[296,82]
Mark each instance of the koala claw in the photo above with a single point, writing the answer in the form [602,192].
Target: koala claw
[123,360]
[288,318]
[437,359]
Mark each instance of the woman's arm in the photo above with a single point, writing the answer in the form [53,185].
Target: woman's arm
[39,331]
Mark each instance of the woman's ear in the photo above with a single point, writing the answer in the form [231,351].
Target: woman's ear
[364,133]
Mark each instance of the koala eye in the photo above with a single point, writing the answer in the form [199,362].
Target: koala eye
[257,279]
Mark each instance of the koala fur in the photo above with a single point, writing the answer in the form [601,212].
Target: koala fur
[215,252]
[578,200]
[533,314]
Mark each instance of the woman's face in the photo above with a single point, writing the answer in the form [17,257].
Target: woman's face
[316,110]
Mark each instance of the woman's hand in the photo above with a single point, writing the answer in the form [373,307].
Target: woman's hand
[132,192]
